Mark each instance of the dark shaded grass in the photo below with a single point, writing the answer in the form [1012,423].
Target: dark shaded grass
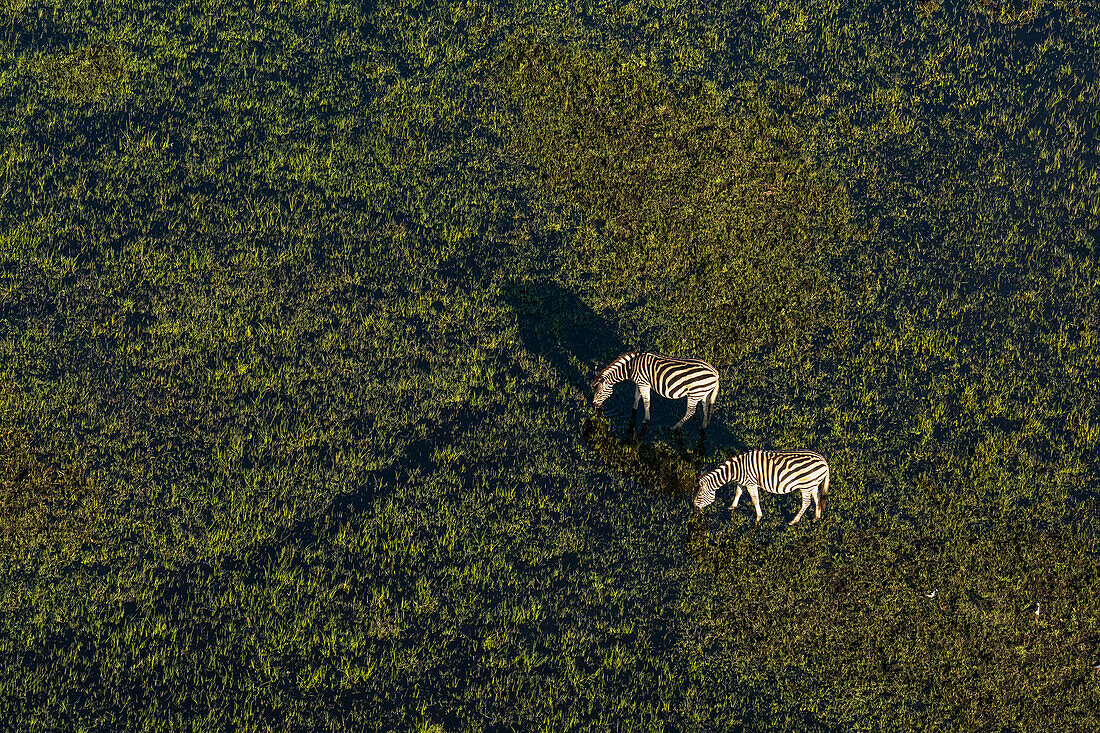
[300,306]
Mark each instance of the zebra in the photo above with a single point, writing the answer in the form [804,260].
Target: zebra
[779,472]
[669,376]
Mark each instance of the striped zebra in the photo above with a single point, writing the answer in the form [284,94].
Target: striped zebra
[667,375]
[779,472]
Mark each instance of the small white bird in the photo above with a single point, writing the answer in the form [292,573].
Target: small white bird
[1036,611]
[932,594]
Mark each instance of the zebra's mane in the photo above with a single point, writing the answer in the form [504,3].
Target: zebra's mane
[711,471]
[621,359]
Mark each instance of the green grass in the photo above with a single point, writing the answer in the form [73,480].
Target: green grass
[300,305]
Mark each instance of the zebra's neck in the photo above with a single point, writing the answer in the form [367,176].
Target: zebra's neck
[731,470]
[622,368]
[735,468]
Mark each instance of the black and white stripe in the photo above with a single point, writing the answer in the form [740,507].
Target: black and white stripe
[779,472]
[668,376]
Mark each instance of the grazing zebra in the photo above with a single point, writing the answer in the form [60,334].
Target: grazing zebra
[668,376]
[779,472]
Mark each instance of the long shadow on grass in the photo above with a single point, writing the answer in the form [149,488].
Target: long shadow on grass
[558,326]
[674,474]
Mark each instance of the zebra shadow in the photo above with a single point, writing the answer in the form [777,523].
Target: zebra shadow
[655,465]
[576,341]
[557,325]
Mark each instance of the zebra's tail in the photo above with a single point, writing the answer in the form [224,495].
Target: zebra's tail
[822,496]
[708,404]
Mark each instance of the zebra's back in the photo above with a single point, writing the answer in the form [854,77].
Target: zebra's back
[676,377]
[784,471]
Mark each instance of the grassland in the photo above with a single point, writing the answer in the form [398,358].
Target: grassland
[300,302]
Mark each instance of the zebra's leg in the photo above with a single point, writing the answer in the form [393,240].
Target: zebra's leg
[806,494]
[737,497]
[633,415]
[641,392]
[819,503]
[708,408]
[693,402]
[754,493]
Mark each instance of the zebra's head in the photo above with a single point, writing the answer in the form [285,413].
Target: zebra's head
[708,485]
[601,389]
[609,376]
